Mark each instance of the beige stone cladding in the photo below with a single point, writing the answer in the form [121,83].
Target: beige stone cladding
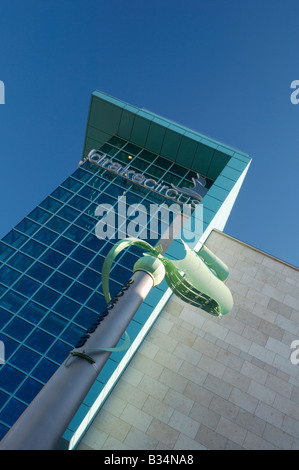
[202,382]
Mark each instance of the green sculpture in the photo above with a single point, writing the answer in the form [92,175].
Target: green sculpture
[197,278]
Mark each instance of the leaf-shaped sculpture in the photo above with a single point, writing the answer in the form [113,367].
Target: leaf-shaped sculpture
[190,278]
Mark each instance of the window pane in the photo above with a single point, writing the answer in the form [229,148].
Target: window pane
[12,301]
[46,296]
[29,390]
[79,203]
[8,276]
[39,271]
[26,286]
[40,341]
[79,292]
[28,227]
[12,411]
[54,324]
[97,302]
[83,255]
[59,282]
[18,328]
[15,239]
[51,205]
[71,184]
[86,222]
[5,252]
[57,224]
[90,278]
[25,359]
[45,370]
[4,317]
[39,215]
[64,245]
[33,312]
[20,261]
[93,243]
[72,334]
[71,268]
[75,233]
[59,351]
[68,213]
[10,378]
[86,317]
[52,258]
[62,194]
[45,236]
[33,248]
[67,307]
[81,175]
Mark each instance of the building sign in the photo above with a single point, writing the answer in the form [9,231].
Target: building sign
[191,196]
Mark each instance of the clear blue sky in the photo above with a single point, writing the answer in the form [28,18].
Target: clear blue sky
[221,67]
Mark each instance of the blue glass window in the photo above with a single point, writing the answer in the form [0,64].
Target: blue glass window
[82,254]
[3,430]
[86,317]
[52,258]
[44,370]
[25,359]
[64,245]
[71,268]
[57,224]
[90,278]
[27,226]
[62,194]
[4,317]
[15,239]
[33,248]
[12,411]
[13,301]
[8,275]
[5,252]
[46,296]
[97,302]
[26,286]
[33,312]
[79,203]
[18,329]
[67,307]
[86,222]
[59,282]
[68,213]
[89,193]
[59,351]
[39,340]
[98,183]
[39,215]
[120,274]
[3,398]
[20,261]
[45,236]
[79,292]
[10,347]
[97,263]
[51,204]
[10,378]
[53,324]
[39,271]
[72,334]
[82,175]
[75,233]
[29,390]
[71,184]
[93,243]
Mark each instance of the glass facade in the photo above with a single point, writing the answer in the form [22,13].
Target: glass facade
[50,265]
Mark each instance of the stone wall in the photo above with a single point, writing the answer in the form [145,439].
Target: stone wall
[199,382]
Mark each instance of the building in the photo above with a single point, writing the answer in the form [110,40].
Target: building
[51,292]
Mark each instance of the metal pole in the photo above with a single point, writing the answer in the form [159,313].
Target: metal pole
[47,417]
